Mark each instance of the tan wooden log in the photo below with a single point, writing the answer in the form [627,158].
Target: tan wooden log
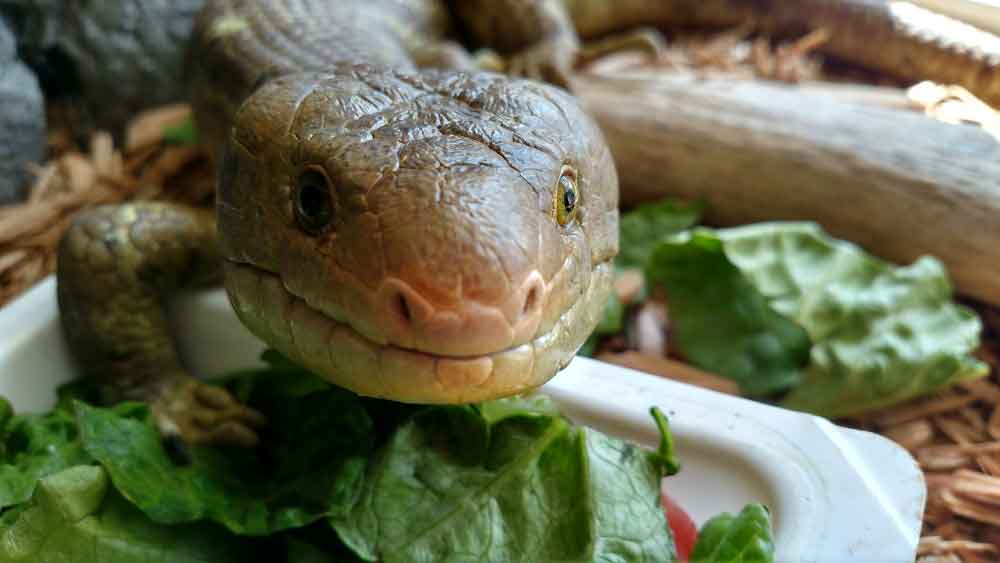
[896,182]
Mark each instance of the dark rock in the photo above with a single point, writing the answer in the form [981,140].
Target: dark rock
[22,121]
[116,57]
[36,24]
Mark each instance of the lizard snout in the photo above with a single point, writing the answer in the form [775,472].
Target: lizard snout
[468,327]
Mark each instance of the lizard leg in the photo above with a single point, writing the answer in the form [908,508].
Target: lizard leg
[643,39]
[489,60]
[453,56]
[536,37]
[116,265]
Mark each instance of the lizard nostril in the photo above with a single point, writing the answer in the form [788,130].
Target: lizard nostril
[401,309]
[459,326]
[530,300]
[534,293]
[407,313]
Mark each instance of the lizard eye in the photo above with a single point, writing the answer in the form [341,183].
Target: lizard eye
[313,201]
[567,196]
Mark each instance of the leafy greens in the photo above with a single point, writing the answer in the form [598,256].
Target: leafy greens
[642,229]
[35,446]
[743,538]
[339,478]
[882,334]
[74,515]
[723,323]
[457,484]
[645,227]
[789,312]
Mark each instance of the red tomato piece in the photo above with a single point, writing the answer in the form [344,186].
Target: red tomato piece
[682,526]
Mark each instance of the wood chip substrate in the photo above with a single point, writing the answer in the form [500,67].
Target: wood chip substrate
[145,167]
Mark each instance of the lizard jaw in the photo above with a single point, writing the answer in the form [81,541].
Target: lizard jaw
[343,356]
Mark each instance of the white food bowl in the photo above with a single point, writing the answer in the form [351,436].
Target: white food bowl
[836,494]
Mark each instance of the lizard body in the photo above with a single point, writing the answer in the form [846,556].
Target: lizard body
[410,232]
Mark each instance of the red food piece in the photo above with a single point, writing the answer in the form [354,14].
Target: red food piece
[682,526]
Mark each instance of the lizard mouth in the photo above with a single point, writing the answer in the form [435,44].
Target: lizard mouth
[342,355]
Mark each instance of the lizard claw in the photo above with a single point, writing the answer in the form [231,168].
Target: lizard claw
[194,412]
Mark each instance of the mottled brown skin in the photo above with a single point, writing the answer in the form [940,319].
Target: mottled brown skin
[445,276]
[115,265]
[443,269]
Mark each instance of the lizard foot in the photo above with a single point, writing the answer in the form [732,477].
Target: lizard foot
[488,60]
[549,61]
[644,39]
[451,55]
[190,411]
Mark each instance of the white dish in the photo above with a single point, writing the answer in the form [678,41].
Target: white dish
[836,494]
[984,14]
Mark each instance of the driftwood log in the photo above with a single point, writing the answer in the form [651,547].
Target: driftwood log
[896,182]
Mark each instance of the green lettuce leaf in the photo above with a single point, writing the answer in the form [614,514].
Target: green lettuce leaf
[314,468]
[342,478]
[721,322]
[643,228]
[184,133]
[785,307]
[35,446]
[506,481]
[882,334]
[75,516]
[744,538]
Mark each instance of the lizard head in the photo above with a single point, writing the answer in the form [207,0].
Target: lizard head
[432,237]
